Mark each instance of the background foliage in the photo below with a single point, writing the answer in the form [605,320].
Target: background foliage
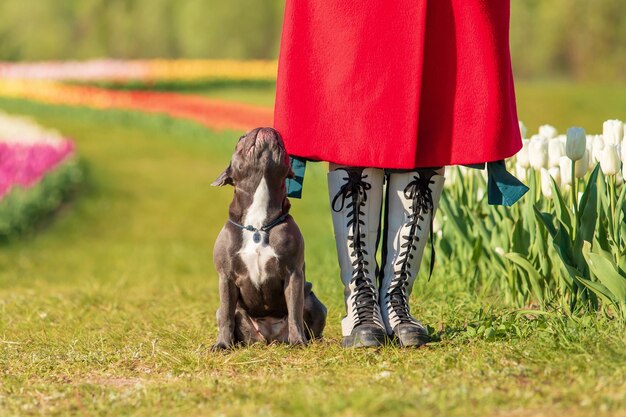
[549,38]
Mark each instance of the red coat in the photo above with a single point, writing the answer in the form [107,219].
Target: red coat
[397,83]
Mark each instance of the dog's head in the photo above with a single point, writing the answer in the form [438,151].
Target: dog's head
[260,153]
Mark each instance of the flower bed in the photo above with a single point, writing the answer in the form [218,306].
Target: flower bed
[563,247]
[142,70]
[38,169]
[212,113]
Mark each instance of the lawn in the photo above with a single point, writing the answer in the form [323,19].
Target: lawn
[109,309]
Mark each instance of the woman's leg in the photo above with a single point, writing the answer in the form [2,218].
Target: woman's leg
[411,202]
[356,202]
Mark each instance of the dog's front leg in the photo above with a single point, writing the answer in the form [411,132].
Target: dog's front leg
[226,314]
[294,295]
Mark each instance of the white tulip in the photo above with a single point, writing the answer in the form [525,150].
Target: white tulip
[610,162]
[548,131]
[576,143]
[436,224]
[546,183]
[522,129]
[556,174]
[613,132]
[480,193]
[590,142]
[562,138]
[25,130]
[598,146]
[582,165]
[521,172]
[556,149]
[522,155]
[566,170]
[624,152]
[538,152]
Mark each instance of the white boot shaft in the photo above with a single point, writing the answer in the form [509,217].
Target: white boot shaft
[356,202]
[412,200]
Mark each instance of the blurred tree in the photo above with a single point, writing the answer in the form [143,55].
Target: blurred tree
[576,38]
[549,38]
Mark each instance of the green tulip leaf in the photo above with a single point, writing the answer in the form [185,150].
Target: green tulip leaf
[533,274]
[563,212]
[591,190]
[547,220]
[601,291]
[588,211]
[607,273]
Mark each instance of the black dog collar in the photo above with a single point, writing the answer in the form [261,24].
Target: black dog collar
[257,235]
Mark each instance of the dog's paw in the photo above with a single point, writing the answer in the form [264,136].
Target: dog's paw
[221,347]
[298,341]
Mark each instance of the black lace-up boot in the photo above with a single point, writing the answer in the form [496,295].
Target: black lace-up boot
[411,203]
[356,201]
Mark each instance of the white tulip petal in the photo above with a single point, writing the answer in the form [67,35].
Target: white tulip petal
[576,143]
[548,131]
[610,162]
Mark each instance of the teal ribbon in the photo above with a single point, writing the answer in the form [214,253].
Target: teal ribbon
[294,185]
[503,189]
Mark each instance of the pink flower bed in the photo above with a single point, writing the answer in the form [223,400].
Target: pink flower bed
[26,164]
[28,152]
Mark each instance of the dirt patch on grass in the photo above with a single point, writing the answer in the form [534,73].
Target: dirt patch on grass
[113,381]
[551,412]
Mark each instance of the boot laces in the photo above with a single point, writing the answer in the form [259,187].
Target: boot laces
[420,194]
[354,190]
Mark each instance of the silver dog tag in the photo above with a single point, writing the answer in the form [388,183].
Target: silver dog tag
[256,237]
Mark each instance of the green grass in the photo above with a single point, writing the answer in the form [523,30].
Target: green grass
[110,309]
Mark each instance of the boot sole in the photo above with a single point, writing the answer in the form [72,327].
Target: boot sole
[412,341]
[367,340]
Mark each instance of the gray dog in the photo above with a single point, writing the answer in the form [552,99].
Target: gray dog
[259,253]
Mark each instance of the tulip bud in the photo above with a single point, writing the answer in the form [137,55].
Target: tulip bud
[556,174]
[522,155]
[548,131]
[590,139]
[566,170]
[613,131]
[522,129]
[576,143]
[598,146]
[556,149]
[582,165]
[520,172]
[436,224]
[590,142]
[624,152]
[480,193]
[538,152]
[546,183]
[610,162]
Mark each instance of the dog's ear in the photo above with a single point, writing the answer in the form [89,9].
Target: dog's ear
[225,178]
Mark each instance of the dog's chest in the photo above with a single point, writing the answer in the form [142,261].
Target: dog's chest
[256,255]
